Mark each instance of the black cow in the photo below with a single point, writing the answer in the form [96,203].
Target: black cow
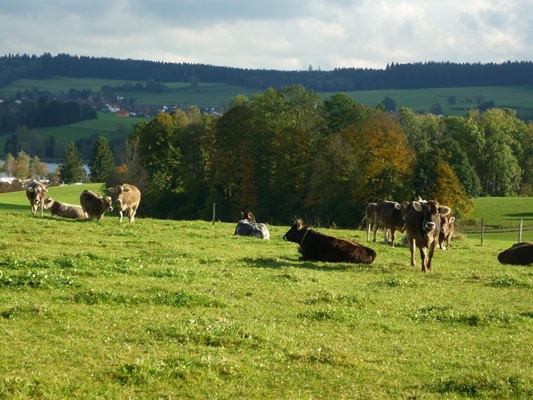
[389,216]
[518,254]
[422,226]
[315,246]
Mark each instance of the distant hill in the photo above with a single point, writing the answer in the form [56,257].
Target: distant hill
[394,76]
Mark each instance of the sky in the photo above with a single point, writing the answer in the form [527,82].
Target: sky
[273,34]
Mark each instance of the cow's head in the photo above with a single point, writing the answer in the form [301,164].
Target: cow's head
[119,190]
[432,213]
[445,223]
[248,217]
[48,202]
[296,233]
[109,203]
[38,192]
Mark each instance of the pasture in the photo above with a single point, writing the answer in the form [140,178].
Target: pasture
[183,309]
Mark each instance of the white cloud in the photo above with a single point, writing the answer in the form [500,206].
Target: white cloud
[276,34]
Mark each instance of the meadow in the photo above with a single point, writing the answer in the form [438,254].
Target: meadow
[183,309]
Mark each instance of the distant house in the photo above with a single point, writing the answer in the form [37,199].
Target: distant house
[122,114]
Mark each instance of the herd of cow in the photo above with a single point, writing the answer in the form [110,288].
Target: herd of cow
[92,205]
[427,225]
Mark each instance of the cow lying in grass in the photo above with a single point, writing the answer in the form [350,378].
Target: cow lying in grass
[518,254]
[64,210]
[316,246]
[248,226]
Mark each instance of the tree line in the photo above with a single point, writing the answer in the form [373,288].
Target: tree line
[393,76]
[286,153]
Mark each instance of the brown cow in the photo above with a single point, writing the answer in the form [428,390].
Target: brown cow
[128,199]
[315,246]
[389,215]
[422,225]
[36,192]
[518,254]
[447,227]
[368,219]
[63,209]
[94,205]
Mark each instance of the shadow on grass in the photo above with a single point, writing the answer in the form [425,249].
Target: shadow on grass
[528,215]
[274,263]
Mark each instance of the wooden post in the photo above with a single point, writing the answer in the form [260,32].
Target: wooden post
[213,213]
[520,231]
[482,230]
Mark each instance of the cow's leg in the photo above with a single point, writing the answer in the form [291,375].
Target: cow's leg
[432,247]
[120,213]
[423,255]
[375,228]
[33,209]
[368,226]
[133,211]
[392,237]
[412,247]
[41,204]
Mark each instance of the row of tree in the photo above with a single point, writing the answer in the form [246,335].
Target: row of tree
[287,153]
[394,76]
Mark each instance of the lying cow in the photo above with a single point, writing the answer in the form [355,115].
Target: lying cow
[447,227]
[248,226]
[64,210]
[315,246]
[36,193]
[518,254]
[128,199]
[422,226]
[389,216]
[94,205]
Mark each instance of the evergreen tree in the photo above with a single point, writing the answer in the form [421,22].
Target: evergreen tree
[102,164]
[72,170]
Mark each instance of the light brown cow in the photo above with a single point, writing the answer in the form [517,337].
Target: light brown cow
[447,227]
[36,192]
[64,210]
[128,199]
[94,205]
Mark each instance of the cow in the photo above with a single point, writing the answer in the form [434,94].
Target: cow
[368,219]
[36,192]
[64,210]
[316,246]
[248,226]
[389,216]
[94,205]
[447,227]
[422,226]
[128,199]
[518,254]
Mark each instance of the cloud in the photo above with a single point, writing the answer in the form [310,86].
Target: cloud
[277,34]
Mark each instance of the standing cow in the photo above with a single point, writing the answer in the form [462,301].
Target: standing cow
[422,225]
[447,227]
[94,205]
[368,219]
[128,199]
[389,215]
[315,246]
[36,193]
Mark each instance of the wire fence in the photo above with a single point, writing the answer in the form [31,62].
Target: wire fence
[483,230]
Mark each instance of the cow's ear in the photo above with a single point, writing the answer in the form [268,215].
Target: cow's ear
[444,210]
[417,206]
[125,190]
[299,224]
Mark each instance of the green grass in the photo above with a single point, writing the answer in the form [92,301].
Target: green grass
[182,309]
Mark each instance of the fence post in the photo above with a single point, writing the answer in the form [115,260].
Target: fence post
[520,231]
[482,230]
[213,213]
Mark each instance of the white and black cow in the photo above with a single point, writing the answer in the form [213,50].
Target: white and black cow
[248,226]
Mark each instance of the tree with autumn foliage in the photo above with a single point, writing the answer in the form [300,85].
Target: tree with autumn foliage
[448,190]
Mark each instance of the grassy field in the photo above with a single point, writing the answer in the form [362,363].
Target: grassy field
[182,309]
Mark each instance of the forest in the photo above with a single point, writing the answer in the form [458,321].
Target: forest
[286,153]
[394,76]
